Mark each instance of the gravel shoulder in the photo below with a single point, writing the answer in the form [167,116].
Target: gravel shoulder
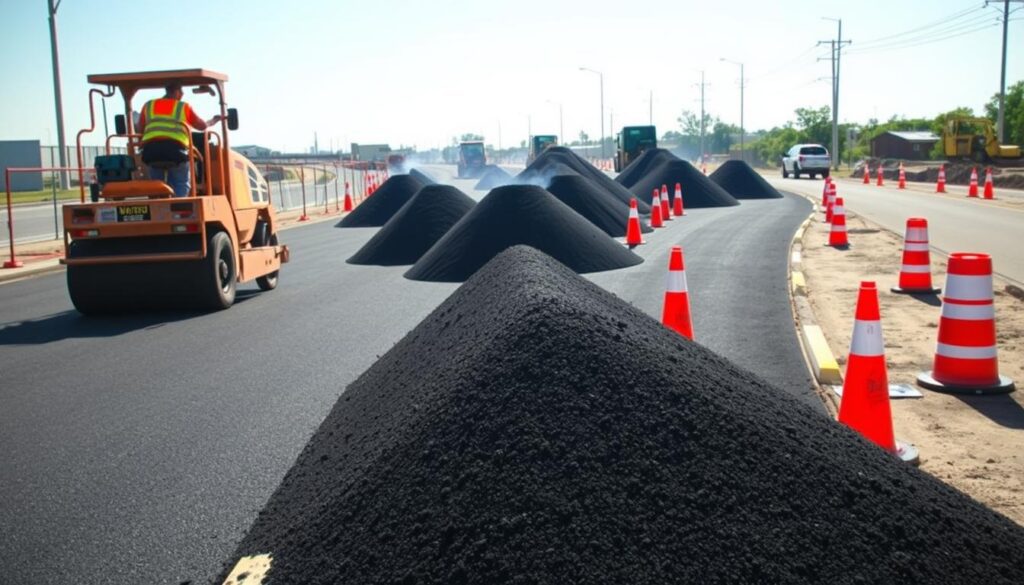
[972,443]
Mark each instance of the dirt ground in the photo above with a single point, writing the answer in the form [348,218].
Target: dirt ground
[974,443]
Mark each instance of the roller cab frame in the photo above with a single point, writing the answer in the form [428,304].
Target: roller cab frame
[135,245]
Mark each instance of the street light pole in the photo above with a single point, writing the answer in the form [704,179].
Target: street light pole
[51,8]
[561,127]
[601,77]
[742,130]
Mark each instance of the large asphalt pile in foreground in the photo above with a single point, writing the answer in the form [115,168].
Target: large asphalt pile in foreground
[597,205]
[417,226]
[698,191]
[647,160]
[422,177]
[536,429]
[494,176]
[742,182]
[385,202]
[562,156]
[520,214]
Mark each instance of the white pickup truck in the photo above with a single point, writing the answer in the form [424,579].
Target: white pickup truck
[809,159]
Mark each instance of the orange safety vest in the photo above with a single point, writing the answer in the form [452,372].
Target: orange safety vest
[166,120]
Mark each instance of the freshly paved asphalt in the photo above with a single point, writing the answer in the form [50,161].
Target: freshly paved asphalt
[139,449]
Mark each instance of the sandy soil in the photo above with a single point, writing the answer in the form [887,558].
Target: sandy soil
[975,443]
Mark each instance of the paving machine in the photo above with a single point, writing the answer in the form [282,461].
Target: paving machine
[135,245]
[975,139]
[472,159]
[632,142]
[539,144]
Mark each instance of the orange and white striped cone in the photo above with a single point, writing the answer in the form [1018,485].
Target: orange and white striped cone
[831,204]
[864,406]
[666,209]
[656,210]
[837,229]
[989,188]
[824,191]
[677,202]
[916,270]
[867,174]
[903,178]
[972,190]
[940,186]
[966,361]
[675,312]
[348,198]
[634,236]
[881,177]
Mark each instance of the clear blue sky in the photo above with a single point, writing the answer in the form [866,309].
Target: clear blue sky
[418,73]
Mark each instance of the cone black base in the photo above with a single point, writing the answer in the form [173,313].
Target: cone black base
[916,291]
[1005,386]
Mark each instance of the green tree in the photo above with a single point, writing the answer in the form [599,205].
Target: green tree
[1013,116]
[470,137]
[815,124]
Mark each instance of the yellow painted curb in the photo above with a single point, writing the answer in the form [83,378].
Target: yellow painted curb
[250,570]
[799,284]
[824,364]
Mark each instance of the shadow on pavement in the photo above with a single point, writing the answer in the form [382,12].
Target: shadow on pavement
[1001,409]
[928,299]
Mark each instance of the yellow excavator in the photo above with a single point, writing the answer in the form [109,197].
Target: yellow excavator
[975,139]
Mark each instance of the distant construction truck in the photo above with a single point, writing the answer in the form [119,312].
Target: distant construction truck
[975,139]
[371,152]
[472,159]
[632,142]
[539,144]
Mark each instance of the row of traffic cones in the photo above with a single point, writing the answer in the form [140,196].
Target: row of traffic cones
[661,211]
[988,191]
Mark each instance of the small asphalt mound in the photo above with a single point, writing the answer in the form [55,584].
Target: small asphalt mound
[417,226]
[594,203]
[742,182]
[537,429]
[520,214]
[385,202]
[494,176]
[423,177]
[647,160]
[698,190]
[560,155]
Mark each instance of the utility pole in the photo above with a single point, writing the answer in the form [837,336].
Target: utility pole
[837,50]
[701,117]
[51,9]
[1001,119]
[601,76]
[650,115]
[742,131]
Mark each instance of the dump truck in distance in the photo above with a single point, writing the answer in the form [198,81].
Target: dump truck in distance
[539,144]
[135,245]
[631,142]
[472,159]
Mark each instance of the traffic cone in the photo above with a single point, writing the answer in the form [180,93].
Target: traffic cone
[830,206]
[824,191]
[677,202]
[837,230]
[989,189]
[867,174]
[675,312]
[965,355]
[656,210]
[666,209]
[633,234]
[940,187]
[915,272]
[881,178]
[903,178]
[972,190]
[864,406]
[348,198]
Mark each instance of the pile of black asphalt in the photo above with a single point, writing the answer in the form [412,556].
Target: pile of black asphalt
[537,429]
[423,177]
[742,182]
[520,214]
[647,160]
[698,191]
[385,202]
[560,155]
[417,226]
[494,176]
[592,202]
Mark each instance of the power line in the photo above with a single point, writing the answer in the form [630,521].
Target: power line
[940,21]
[924,42]
[937,32]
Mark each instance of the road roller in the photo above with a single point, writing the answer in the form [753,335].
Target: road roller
[134,245]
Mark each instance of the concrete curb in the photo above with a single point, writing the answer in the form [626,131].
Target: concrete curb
[820,361]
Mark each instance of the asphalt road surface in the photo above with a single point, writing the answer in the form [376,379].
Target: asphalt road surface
[954,225]
[139,449]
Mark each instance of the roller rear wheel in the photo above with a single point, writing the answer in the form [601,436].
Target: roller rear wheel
[218,275]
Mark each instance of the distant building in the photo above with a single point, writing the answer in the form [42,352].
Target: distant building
[912,145]
[253,151]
